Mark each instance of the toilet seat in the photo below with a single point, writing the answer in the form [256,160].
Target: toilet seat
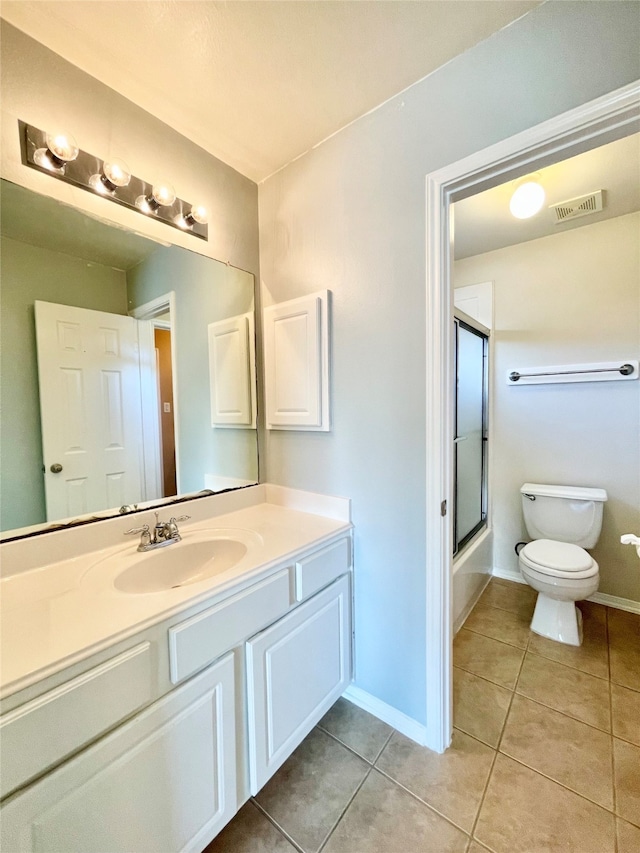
[558,559]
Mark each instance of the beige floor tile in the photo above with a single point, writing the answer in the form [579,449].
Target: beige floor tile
[562,688]
[523,812]
[628,837]
[507,595]
[479,707]
[250,832]
[625,707]
[568,751]
[312,788]
[489,658]
[502,625]
[626,773]
[474,847]
[382,818]
[592,656]
[360,731]
[624,648]
[452,782]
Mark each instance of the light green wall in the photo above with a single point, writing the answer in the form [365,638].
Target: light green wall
[30,273]
[206,291]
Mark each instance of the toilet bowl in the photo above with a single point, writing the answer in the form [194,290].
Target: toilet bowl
[562,573]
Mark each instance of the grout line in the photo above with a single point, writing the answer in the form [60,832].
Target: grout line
[565,714]
[490,637]
[613,760]
[275,823]
[557,782]
[352,750]
[566,666]
[484,678]
[344,811]
[497,749]
[420,800]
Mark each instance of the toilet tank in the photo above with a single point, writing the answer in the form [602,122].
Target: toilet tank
[564,513]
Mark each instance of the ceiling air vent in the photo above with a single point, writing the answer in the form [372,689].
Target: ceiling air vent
[584,205]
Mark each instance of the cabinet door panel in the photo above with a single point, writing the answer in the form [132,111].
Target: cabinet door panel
[296,669]
[162,782]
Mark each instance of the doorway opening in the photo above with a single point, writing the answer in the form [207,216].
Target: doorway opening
[604,120]
[158,379]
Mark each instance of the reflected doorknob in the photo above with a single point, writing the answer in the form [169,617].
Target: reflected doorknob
[56,468]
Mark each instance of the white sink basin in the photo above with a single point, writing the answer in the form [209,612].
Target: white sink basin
[202,554]
[178,564]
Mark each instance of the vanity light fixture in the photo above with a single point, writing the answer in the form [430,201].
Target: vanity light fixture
[59,149]
[527,199]
[115,174]
[58,155]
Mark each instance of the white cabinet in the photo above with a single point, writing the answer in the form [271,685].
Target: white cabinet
[296,359]
[165,781]
[148,750]
[296,669]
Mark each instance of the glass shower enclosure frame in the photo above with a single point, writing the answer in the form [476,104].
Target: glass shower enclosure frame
[470,418]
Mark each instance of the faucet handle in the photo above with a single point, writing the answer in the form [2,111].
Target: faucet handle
[143,529]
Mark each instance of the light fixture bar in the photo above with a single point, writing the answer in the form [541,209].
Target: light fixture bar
[85,167]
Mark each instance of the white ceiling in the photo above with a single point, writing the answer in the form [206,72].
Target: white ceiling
[483,222]
[258,83]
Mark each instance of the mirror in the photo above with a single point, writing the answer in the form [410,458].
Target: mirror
[190,322]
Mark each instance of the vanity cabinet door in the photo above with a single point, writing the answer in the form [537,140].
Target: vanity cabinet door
[296,669]
[165,781]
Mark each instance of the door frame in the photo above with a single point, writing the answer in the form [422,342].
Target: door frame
[149,311]
[591,125]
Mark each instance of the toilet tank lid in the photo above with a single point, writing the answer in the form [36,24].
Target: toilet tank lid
[578,493]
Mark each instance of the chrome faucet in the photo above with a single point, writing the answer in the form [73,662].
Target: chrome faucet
[163,533]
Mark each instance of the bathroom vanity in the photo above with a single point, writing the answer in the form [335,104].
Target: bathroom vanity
[140,714]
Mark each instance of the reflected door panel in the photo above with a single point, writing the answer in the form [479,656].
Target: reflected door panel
[89,376]
[470,470]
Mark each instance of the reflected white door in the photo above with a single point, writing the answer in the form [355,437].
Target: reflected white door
[89,374]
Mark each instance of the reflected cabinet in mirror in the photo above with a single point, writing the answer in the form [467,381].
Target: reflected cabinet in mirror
[128,368]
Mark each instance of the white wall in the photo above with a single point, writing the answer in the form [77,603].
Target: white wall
[350,216]
[570,298]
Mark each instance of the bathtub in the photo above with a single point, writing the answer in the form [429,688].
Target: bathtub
[471,573]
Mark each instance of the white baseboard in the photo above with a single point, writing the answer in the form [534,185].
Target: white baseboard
[507,575]
[399,721]
[614,601]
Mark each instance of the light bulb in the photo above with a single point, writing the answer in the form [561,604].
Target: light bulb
[115,174]
[197,214]
[61,149]
[162,195]
[527,200]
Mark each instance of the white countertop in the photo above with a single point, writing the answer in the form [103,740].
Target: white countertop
[57,614]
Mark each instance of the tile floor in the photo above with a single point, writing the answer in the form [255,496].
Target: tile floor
[545,754]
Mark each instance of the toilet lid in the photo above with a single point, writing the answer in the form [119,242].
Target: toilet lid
[559,556]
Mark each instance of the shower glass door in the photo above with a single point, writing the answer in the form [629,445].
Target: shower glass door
[470,438]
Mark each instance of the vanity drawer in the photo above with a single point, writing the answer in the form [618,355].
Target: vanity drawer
[43,732]
[319,569]
[203,638]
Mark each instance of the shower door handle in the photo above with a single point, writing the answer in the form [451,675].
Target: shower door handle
[460,438]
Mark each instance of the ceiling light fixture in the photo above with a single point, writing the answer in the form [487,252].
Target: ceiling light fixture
[57,155]
[115,174]
[527,199]
[61,148]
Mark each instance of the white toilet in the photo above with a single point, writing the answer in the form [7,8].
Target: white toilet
[562,521]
